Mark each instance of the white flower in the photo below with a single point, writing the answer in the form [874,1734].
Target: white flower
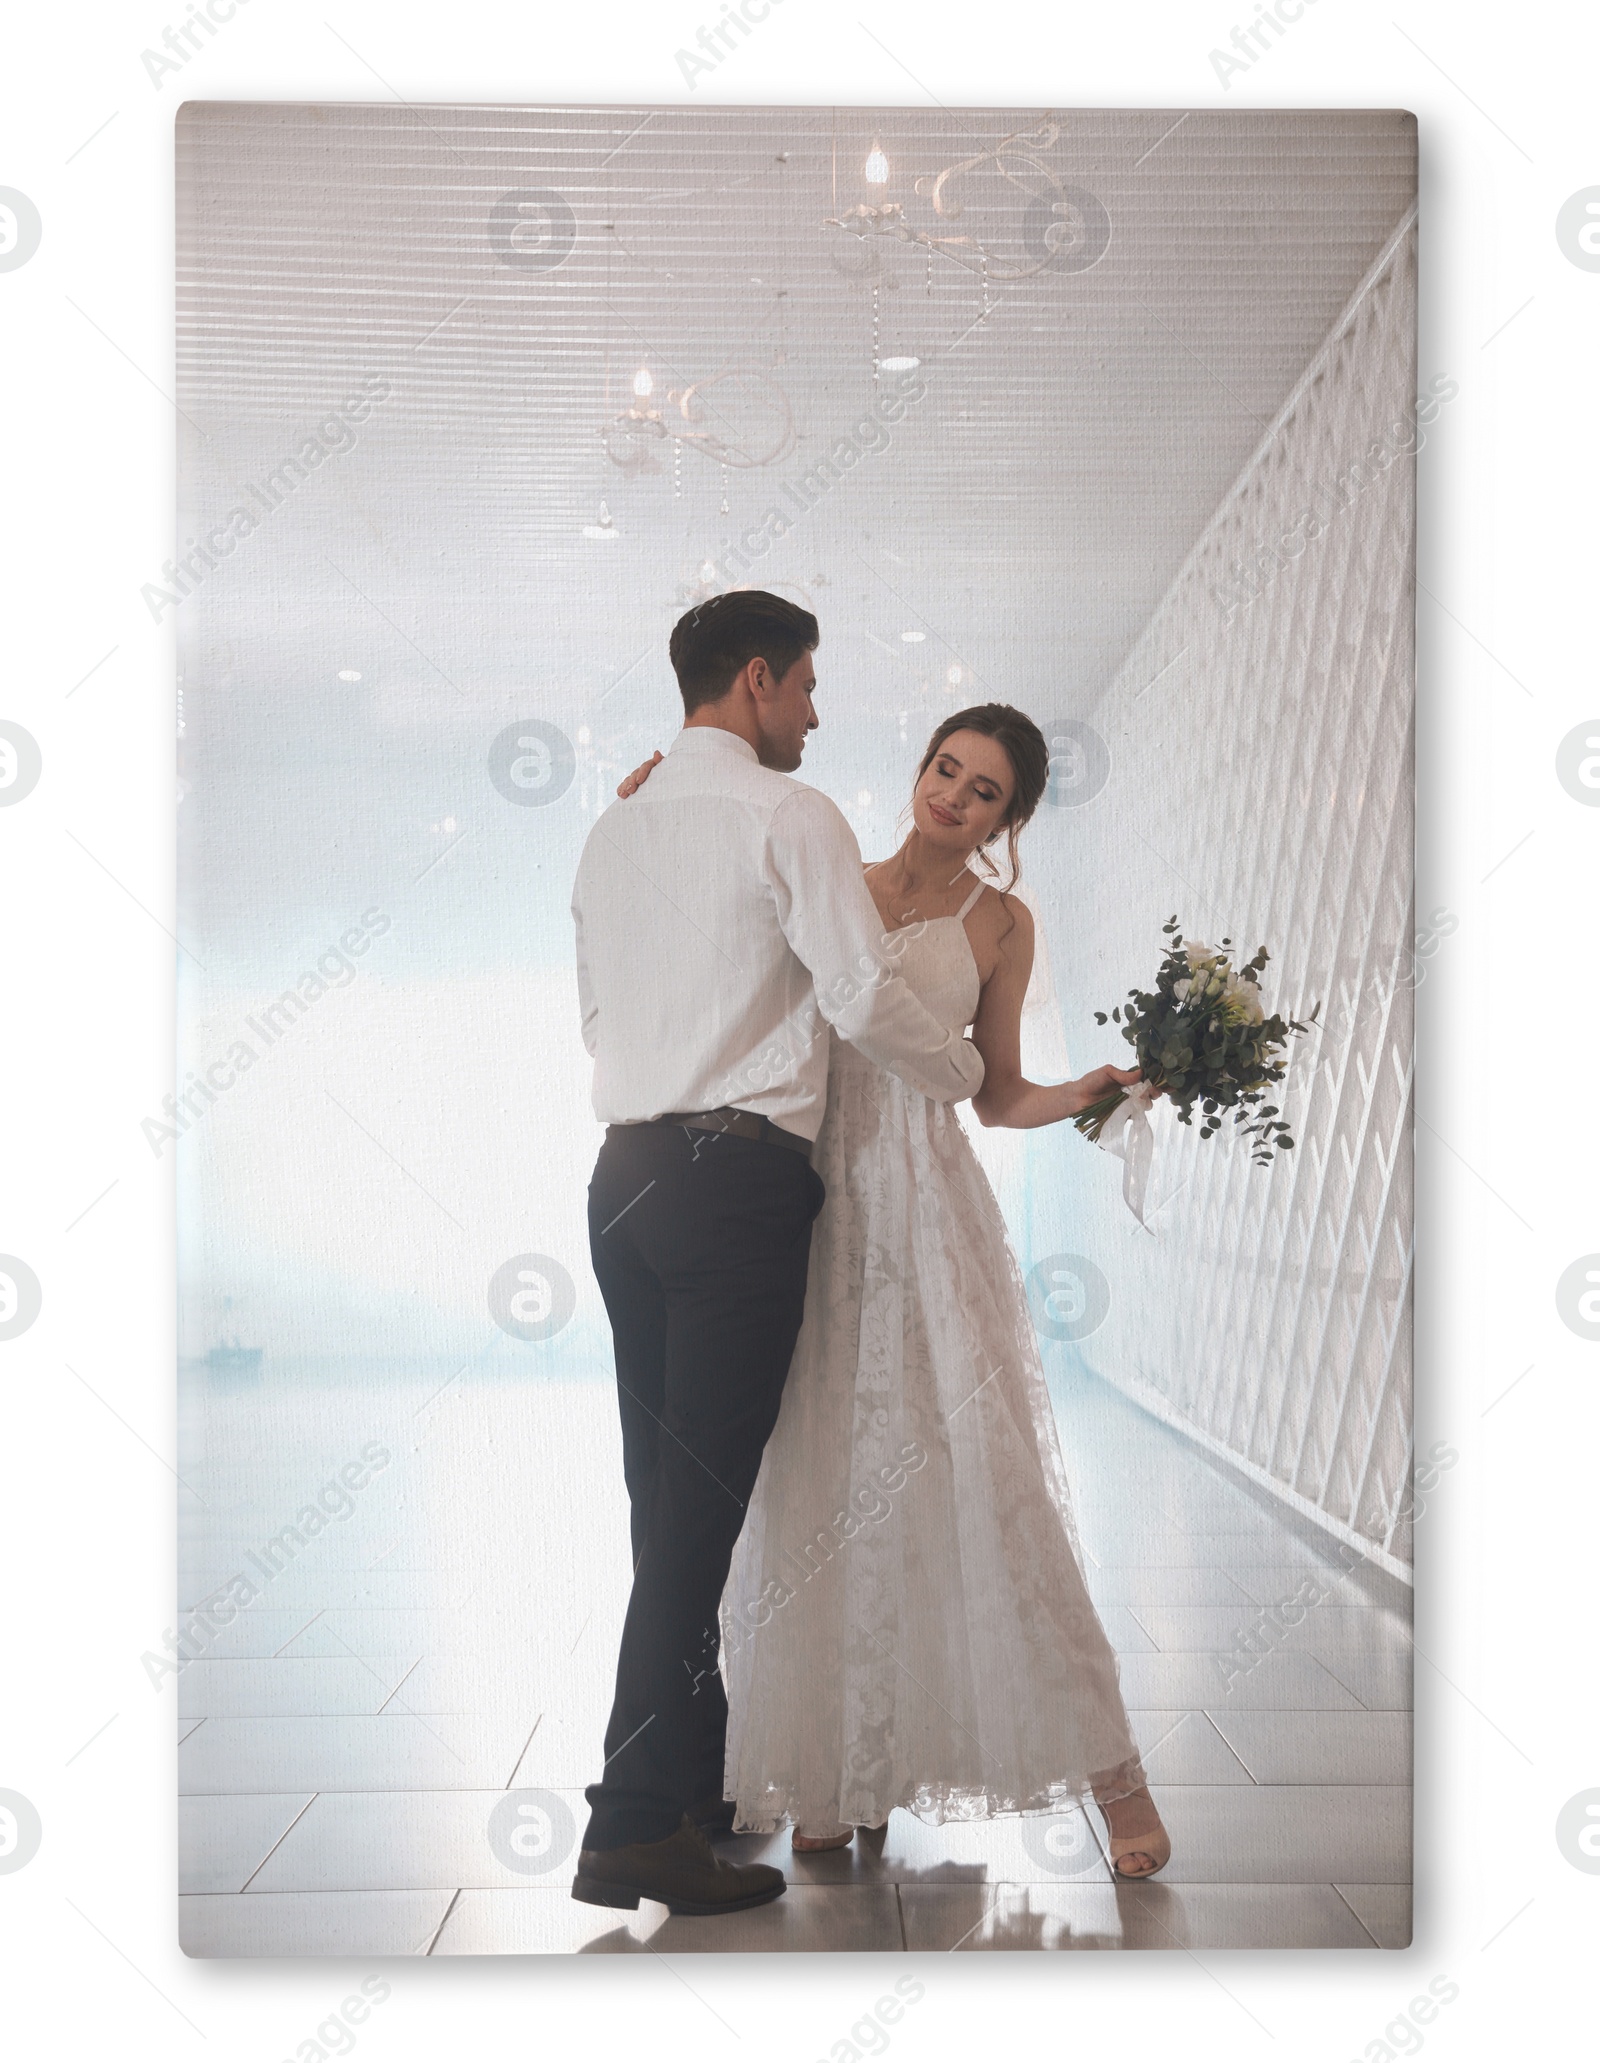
[1241,1000]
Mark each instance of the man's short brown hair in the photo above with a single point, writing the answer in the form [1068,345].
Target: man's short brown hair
[717,638]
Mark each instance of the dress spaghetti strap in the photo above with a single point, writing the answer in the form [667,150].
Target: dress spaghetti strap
[971,900]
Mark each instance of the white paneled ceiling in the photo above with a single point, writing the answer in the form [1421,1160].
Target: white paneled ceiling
[1033,509]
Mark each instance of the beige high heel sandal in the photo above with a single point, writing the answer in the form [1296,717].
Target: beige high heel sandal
[869,1838]
[1148,1838]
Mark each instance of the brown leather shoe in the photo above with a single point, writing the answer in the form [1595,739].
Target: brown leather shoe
[681,1872]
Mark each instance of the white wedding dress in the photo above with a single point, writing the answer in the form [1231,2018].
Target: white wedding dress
[906,1621]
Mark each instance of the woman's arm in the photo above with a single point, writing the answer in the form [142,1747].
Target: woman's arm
[1007,1097]
[630,784]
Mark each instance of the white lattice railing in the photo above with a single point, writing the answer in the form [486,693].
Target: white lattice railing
[1261,748]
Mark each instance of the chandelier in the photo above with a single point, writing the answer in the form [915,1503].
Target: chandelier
[739,417]
[1064,228]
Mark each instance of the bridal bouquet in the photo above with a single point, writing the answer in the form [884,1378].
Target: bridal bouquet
[1204,1036]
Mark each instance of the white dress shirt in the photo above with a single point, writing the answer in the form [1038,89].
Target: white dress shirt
[723,924]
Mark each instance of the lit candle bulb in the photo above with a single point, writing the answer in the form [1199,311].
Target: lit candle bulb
[643,385]
[877,166]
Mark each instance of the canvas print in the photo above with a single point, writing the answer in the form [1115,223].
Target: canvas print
[793,1107]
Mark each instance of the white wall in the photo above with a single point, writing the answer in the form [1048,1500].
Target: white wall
[1261,766]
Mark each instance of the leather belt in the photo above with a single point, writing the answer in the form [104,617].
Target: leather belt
[743,1124]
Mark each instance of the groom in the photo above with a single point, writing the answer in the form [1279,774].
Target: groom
[722,921]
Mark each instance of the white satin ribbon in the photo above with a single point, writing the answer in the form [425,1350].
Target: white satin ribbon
[1128,1134]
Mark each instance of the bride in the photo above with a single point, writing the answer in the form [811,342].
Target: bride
[906,1621]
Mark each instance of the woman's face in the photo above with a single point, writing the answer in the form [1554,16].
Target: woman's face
[964,793]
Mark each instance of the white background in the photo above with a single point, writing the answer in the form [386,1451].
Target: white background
[1506,1131]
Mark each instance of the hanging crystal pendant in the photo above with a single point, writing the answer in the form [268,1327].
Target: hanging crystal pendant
[875,330]
[724,509]
[677,468]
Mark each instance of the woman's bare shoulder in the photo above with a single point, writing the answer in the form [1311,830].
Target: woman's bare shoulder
[1006,917]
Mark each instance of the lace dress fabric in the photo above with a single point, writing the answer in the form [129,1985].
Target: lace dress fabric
[906,1621]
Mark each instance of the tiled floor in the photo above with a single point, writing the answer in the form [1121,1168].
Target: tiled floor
[350,1738]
